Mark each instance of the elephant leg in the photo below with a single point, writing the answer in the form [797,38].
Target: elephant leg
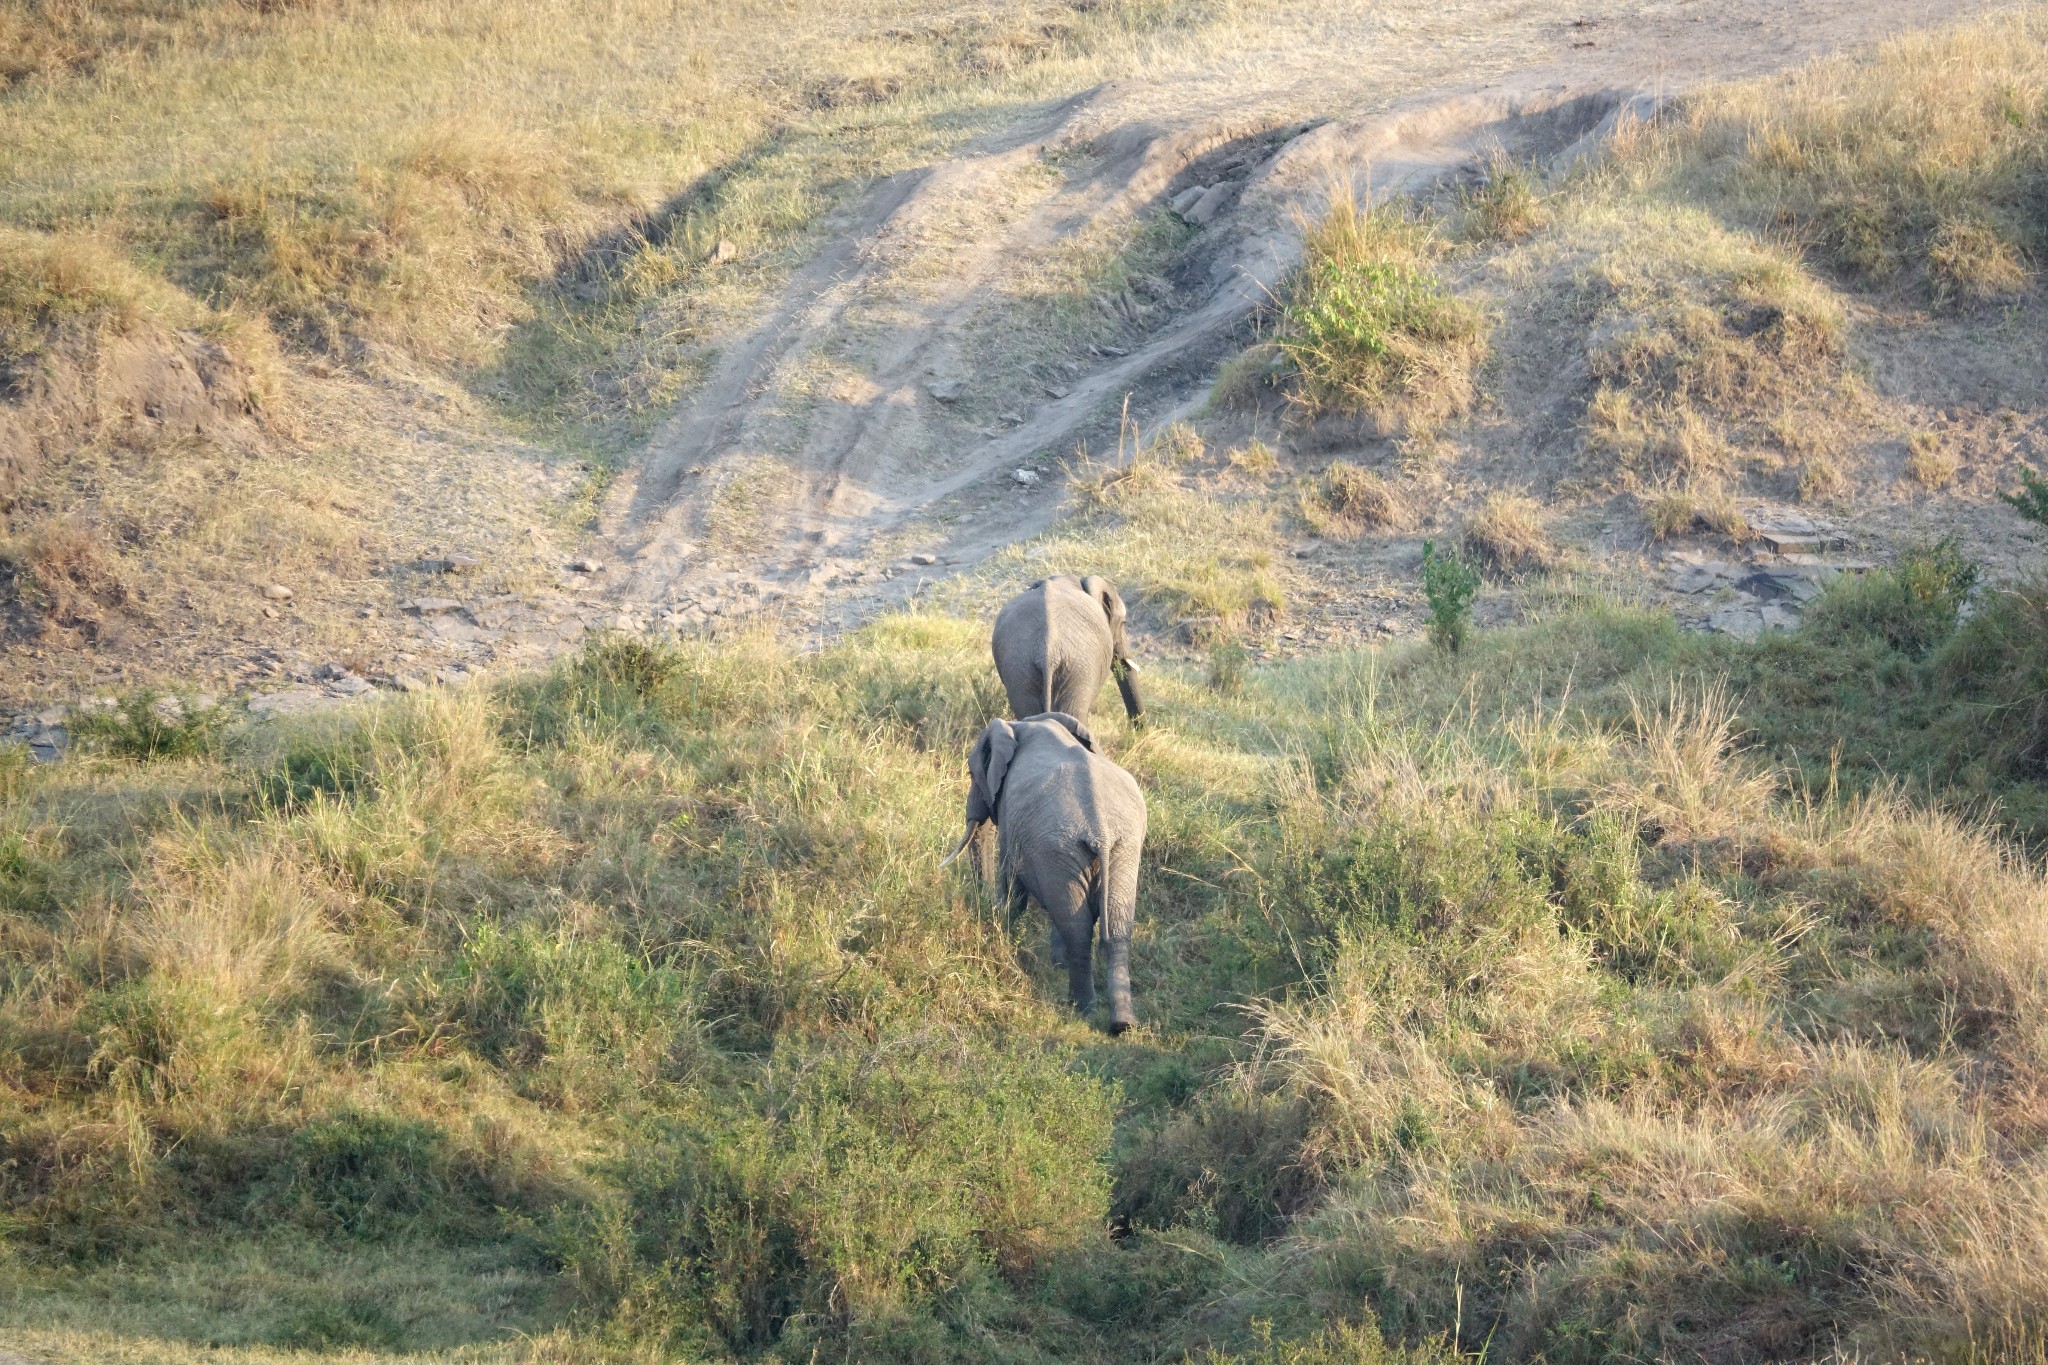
[1119,914]
[1056,947]
[1018,900]
[1073,937]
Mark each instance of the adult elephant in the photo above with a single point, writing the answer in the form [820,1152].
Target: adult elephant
[1071,829]
[1056,642]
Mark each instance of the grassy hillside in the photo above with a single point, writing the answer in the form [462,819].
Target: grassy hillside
[1504,997]
[1597,991]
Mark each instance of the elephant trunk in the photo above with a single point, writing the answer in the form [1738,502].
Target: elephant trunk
[1127,684]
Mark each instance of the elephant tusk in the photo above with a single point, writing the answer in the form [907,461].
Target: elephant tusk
[965,840]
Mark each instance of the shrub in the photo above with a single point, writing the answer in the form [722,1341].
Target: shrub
[149,724]
[1450,585]
[1367,327]
[1911,606]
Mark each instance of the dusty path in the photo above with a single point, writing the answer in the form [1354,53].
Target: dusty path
[889,395]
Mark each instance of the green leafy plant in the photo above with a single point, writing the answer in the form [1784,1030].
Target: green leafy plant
[1450,585]
[2031,501]
[148,724]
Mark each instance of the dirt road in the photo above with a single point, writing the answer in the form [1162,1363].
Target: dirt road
[980,316]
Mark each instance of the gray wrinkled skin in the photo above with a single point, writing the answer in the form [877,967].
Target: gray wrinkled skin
[1071,829]
[1057,642]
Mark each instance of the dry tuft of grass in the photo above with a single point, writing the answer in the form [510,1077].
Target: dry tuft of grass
[1506,205]
[1367,327]
[1506,538]
[1930,462]
[1346,500]
[1687,508]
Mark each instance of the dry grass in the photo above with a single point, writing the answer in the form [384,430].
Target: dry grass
[1346,500]
[1505,538]
[1919,166]
[1930,462]
[1688,508]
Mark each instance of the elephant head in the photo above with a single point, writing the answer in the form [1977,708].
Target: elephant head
[988,762]
[1104,591]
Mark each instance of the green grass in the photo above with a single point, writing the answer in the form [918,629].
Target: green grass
[1367,326]
[1468,985]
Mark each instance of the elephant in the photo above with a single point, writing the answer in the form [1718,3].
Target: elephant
[1057,641]
[1071,828]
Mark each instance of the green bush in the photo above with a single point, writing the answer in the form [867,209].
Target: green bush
[1450,584]
[150,724]
[1911,606]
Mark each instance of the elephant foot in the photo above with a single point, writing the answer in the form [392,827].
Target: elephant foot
[1118,1027]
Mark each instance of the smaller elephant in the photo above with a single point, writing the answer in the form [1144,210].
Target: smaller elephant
[1057,642]
[1071,829]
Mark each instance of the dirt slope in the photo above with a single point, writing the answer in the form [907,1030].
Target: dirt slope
[887,399]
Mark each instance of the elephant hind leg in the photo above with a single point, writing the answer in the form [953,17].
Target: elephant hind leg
[1117,894]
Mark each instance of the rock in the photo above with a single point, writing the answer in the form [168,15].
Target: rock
[1114,350]
[328,672]
[1204,210]
[724,253]
[406,682]
[278,592]
[430,606]
[454,677]
[290,702]
[461,564]
[1025,477]
[49,718]
[1304,551]
[1058,390]
[947,390]
[368,613]
[1187,199]
[924,559]
[271,613]
[1392,626]
[349,685]
[586,565]
[1014,418]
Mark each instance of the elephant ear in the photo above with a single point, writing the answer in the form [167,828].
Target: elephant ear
[1112,603]
[1076,728]
[988,762]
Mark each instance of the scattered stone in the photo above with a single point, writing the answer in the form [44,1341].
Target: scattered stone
[430,606]
[1204,210]
[585,565]
[724,253]
[349,685]
[368,613]
[407,682]
[1025,477]
[1058,390]
[329,672]
[1304,551]
[947,390]
[1014,418]
[271,613]
[1187,199]
[1391,626]
[278,592]
[461,564]
[924,559]
[1114,350]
